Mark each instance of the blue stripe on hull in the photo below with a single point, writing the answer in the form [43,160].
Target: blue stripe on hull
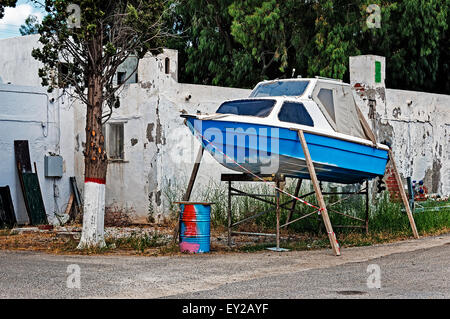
[335,160]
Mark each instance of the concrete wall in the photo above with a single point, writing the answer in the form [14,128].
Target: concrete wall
[26,113]
[419,126]
[17,66]
[416,124]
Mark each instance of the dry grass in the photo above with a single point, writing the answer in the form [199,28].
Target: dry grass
[158,245]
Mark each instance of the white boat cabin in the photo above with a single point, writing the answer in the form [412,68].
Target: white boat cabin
[320,105]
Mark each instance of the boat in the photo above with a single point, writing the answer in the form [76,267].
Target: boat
[260,134]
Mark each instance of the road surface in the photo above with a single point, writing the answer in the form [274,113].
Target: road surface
[408,269]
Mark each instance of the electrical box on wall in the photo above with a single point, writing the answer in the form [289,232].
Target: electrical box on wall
[53,166]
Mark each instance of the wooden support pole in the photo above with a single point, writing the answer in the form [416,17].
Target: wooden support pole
[294,202]
[403,195]
[195,169]
[69,205]
[188,193]
[367,206]
[278,214]
[366,127]
[229,213]
[324,212]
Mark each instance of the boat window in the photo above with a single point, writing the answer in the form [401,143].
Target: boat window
[280,88]
[295,113]
[260,108]
[326,97]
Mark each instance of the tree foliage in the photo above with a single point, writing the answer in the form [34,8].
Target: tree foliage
[91,44]
[237,43]
[31,26]
[116,29]
[91,39]
[208,52]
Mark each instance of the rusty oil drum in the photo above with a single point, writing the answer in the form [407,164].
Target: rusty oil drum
[195,227]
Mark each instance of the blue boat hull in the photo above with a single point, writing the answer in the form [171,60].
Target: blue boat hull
[268,150]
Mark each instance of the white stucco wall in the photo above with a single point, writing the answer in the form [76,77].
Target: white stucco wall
[17,66]
[420,123]
[26,113]
[159,149]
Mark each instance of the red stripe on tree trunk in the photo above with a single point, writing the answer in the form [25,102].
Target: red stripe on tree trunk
[95,180]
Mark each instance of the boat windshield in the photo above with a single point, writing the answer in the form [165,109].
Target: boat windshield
[280,88]
[259,108]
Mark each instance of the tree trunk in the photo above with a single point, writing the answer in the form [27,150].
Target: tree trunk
[95,159]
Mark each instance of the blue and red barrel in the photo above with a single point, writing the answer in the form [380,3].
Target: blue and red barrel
[195,227]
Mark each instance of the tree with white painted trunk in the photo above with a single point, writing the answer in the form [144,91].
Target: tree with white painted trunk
[89,39]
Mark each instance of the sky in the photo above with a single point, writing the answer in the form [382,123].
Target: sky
[15,17]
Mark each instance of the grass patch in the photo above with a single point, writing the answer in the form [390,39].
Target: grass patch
[345,240]
[138,242]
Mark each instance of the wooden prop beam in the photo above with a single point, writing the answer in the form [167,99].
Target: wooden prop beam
[188,193]
[366,127]
[229,216]
[403,195]
[372,137]
[324,212]
[367,207]
[69,205]
[278,213]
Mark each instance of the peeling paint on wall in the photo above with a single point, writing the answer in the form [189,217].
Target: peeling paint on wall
[149,132]
[158,198]
[146,85]
[396,112]
[159,133]
[385,133]
[433,176]
[414,123]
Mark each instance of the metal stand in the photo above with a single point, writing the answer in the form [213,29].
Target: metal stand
[280,181]
[288,205]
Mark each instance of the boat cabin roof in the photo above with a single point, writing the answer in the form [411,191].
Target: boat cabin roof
[319,104]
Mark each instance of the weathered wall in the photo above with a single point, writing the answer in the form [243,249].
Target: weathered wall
[26,113]
[416,124]
[159,149]
[17,66]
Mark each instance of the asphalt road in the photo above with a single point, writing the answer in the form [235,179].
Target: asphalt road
[409,269]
